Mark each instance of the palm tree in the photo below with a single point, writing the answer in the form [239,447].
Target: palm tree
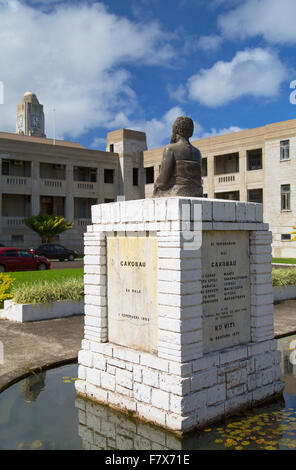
[293,233]
[48,226]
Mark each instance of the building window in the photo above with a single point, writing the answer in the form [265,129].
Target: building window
[230,195]
[82,207]
[16,205]
[108,200]
[16,168]
[108,176]
[17,238]
[86,174]
[285,197]
[53,171]
[255,195]
[52,205]
[135,176]
[149,171]
[228,163]
[285,150]
[285,237]
[204,167]
[111,148]
[254,159]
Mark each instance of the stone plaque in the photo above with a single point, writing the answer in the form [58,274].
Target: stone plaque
[226,289]
[132,292]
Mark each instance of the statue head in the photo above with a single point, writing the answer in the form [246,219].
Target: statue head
[183,126]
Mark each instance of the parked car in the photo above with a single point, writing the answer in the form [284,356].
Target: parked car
[18,259]
[53,251]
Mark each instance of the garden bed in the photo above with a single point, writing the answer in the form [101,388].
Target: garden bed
[42,299]
[36,312]
[284,293]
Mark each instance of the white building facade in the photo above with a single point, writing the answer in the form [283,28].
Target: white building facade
[64,178]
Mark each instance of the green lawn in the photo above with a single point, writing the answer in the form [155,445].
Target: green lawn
[48,275]
[284,260]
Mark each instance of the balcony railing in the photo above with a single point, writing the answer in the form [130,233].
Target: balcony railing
[13,221]
[82,223]
[82,187]
[51,184]
[12,181]
[227,179]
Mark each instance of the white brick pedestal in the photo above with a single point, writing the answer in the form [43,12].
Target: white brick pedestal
[180,386]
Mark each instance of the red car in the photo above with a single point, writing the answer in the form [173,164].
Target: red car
[18,259]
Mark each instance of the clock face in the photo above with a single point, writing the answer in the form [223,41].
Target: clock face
[20,120]
[35,121]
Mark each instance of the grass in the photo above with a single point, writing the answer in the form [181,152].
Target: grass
[23,277]
[284,260]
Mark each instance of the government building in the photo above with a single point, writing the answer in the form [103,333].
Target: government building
[64,178]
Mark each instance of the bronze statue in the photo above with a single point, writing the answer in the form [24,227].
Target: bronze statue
[180,173]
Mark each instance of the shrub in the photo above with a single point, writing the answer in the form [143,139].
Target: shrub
[283,277]
[46,292]
[5,287]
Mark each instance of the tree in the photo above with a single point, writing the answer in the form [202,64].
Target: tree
[293,233]
[48,226]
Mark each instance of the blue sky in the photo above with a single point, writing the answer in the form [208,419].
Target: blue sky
[97,66]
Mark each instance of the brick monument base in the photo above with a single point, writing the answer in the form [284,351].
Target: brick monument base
[178,310]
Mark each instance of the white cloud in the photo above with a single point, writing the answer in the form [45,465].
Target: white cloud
[179,94]
[256,72]
[272,19]
[213,132]
[75,58]
[209,43]
[158,131]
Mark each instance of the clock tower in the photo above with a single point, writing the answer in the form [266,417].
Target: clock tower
[30,116]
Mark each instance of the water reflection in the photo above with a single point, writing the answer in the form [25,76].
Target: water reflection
[269,427]
[102,428]
[32,386]
[44,412]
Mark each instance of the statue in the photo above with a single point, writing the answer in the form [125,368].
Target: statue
[180,173]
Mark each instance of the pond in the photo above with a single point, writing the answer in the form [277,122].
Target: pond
[42,412]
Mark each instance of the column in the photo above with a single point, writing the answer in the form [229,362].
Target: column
[95,279]
[179,289]
[211,176]
[36,190]
[262,322]
[69,209]
[243,176]
[100,183]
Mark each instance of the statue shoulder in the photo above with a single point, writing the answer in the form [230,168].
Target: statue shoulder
[196,151]
[169,149]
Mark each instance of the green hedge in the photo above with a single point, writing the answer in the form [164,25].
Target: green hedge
[283,277]
[72,289]
[49,291]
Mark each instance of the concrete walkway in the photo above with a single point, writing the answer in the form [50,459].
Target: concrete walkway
[28,346]
[47,343]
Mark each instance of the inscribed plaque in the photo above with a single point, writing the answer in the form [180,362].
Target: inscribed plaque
[226,289]
[132,292]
